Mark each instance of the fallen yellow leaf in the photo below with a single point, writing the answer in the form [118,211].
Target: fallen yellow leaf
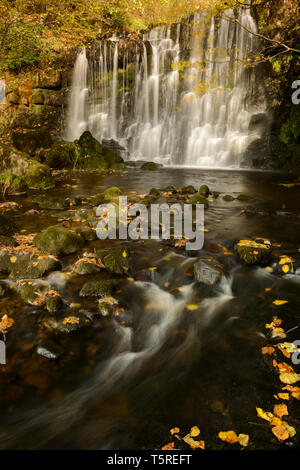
[243,440]
[228,436]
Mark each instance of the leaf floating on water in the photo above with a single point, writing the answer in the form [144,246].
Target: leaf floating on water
[281,433]
[264,414]
[278,333]
[283,396]
[192,307]
[169,446]
[268,350]
[243,440]
[280,302]
[280,410]
[228,436]
[192,443]
[71,320]
[195,431]
[289,378]
[174,431]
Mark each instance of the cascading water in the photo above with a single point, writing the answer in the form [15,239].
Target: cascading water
[183,101]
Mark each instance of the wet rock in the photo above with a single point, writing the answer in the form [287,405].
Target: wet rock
[72,324]
[198,199]
[204,190]
[228,198]
[28,292]
[28,266]
[51,203]
[64,155]
[31,140]
[254,251]
[38,176]
[54,304]
[115,259]
[96,156]
[114,147]
[87,233]
[107,306]
[84,268]
[170,189]
[85,215]
[7,227]
[48,349]
[11,184]
[58,240]
[98,288]
[109,195]
[244,197]
[188,190]
[8,241]
[4,289]
[149,166]
[154,192]
[208,271]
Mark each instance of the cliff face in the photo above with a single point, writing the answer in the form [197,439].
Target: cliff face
[278,20]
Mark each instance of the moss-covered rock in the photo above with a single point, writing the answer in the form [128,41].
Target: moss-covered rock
[28,292]
[54,304]
[228,198]
[95,155]
[48,202]
[8,241]
[107,306]
[198,199]
[149,166]
[38,176]
[204,190]
[208,271]
[87,233]
[64,155]
[254,251]
[244,197]
[188,190]
[115,259]
[98,288]
[109,195]
[11,184]
[7,227]
[84,267]
[154,192]
[58,240]
[28,266]
[31,140]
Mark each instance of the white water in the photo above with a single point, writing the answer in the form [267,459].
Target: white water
[196,117]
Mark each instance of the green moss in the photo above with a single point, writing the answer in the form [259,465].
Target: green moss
[64,155]
[149,166]
[38,176]
[11,184]
[58,240]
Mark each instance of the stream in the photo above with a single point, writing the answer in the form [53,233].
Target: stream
[124,381]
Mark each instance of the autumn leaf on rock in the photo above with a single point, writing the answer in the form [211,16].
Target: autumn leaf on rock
[195,431]
[281,433]
[174,431]
[243,440]
[268,350]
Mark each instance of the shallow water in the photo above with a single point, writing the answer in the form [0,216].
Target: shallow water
[124,385]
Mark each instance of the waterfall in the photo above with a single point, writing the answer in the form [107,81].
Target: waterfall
[77,104]
[181,101]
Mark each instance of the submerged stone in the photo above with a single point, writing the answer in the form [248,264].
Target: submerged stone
[208,271]
[149,166]
[58,240]
[48,349]
[98,288]
[228,198]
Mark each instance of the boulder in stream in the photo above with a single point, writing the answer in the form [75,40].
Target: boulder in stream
[208,271]
[98,288]
[254,251]
[30,140]
[116,259]
[58,240]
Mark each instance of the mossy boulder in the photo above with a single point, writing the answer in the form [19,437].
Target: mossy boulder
[107,306]
[84,267]
[109,195]
[28,266]
[7,227]
[11,184]
[198,199]
[30,140]
[204,190]
[28,292]
[98,288]
[95,155]
[228,198]
[188,190]
[54,304]
[149,166]
[244,197]
[154,192]
[87,233]
[64,155]
[38,176]
[115,259]
[58,240]
[254,251]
